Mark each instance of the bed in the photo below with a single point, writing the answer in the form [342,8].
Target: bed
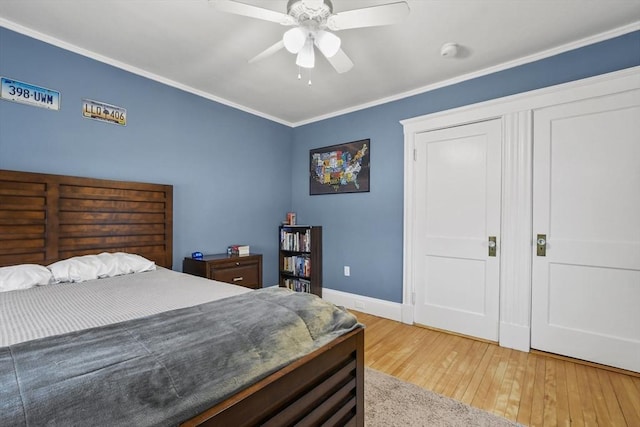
[49,219]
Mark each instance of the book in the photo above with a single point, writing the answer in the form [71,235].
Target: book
[291,218]
[238,250]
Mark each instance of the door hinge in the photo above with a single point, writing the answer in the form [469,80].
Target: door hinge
[415,155]
[413,298]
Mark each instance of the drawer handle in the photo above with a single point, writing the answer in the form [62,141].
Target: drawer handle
[237,263]
[238,279]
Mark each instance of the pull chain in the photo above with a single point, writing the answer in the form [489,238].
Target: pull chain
[300,77]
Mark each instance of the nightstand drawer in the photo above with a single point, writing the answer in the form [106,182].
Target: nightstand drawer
[238,261]
[244,275]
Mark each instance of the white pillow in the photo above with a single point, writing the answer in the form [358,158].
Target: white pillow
[78,269]
[23,276]
[132,263]
[89,267]
[110,264]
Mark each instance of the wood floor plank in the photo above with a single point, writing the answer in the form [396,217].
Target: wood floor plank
[483,397]
[550,406]
[599,404]
[376,338]
[586,400]
[433,355]
[563,415]
[504,391]
[517,384]
[537,407]
[416,369]
[476,378]
[636,401]
[625,391]
[493,394]
[526,401]
[573,395]
[476,355]
[461,366]
[399,351]
[446,360]
[530,388]
[610,398]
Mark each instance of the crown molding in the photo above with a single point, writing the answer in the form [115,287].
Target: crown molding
[134,70]
[494,69]
[141,72]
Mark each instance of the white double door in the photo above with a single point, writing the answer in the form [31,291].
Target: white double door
[457,210]
[586,203]
[585,288]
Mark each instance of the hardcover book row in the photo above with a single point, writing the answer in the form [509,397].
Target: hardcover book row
[295,241]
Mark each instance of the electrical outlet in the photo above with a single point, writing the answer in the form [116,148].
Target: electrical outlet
[360,304]
[347,270]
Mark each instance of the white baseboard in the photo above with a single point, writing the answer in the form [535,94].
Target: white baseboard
[512,336]
[517,337]
[377,307]
[407,314]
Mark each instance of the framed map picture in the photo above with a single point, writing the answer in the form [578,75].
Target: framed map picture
[342,168]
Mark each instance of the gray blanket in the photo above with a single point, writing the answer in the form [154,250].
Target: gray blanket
[165,368]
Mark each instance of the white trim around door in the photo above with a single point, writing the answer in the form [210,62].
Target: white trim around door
[516,205]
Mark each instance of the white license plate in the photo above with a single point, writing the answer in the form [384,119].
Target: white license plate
[13,90]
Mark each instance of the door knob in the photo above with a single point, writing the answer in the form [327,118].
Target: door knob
[492,245]
[541,245]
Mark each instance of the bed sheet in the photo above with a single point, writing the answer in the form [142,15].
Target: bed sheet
[67,307]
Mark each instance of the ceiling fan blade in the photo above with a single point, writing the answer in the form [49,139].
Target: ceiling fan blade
[267,52]
[341,62]
[237,8]
[328,43]
[385,14]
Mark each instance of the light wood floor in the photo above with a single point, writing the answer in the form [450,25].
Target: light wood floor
[532,389]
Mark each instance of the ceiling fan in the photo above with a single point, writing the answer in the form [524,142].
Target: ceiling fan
[312,20]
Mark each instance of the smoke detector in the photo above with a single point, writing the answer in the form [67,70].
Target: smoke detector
[449,50]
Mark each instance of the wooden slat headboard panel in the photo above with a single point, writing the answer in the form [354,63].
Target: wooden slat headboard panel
[45,218]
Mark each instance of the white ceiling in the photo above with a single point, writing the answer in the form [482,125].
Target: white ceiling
[191,45]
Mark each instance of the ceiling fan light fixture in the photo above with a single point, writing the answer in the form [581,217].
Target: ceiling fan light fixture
[311,19]
[294,39]
[328,43]
[306,56]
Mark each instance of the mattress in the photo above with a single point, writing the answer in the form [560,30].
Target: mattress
[67,307]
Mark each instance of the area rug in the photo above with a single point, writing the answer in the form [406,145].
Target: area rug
[389,402]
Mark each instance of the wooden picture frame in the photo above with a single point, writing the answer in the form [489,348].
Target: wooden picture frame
[340,168]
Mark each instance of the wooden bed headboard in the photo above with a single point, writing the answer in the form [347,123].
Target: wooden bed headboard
[45,218]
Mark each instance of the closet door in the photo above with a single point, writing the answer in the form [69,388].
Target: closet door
[457,210]
[586,186]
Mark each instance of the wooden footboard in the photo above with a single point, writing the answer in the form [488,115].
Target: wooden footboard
[325,387]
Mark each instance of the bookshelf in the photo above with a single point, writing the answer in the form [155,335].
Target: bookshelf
[300,258]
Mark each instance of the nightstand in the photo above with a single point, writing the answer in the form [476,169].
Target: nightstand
[243,270]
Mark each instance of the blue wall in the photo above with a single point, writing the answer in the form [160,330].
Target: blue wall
[220,160]
[215,156]
[364,230]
